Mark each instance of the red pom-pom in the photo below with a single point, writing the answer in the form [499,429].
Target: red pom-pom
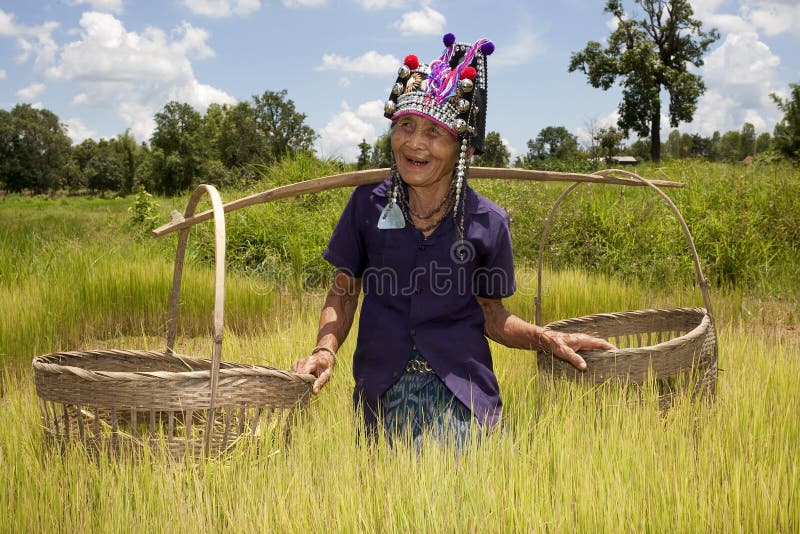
[411,61]
[468,73]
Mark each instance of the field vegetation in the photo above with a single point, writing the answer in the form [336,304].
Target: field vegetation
[76,273]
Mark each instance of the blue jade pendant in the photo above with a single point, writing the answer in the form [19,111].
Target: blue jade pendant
[391,218]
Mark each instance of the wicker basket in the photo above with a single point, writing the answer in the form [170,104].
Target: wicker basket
[677,347]
[121,399]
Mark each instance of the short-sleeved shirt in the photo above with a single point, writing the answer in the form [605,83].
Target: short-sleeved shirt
[419,295]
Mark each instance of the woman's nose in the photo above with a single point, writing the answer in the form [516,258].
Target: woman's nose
[416,139]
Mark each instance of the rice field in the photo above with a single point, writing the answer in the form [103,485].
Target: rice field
[570,458]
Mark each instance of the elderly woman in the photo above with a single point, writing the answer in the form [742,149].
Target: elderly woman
[434,261]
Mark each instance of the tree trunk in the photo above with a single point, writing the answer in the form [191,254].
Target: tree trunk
[655,132]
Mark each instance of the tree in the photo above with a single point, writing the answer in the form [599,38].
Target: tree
[282,128]
[730,145]
[786,136]
[106,169]
[363,155]
[747,141]
[649,54]
[763,142]
[182,148]
[495,153]
[609,142]
[382,151]
[552,142]
[34,150]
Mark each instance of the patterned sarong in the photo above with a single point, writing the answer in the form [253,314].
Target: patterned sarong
[419,404]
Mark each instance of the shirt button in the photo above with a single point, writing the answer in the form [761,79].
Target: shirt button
[417,291]
[422,247]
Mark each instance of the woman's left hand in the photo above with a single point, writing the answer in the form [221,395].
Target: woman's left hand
[565,346]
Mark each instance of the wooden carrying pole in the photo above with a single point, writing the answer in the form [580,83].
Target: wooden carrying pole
[373,176]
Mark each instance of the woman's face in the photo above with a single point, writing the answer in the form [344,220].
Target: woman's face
[424,152]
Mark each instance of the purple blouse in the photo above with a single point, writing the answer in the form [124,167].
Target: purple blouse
[417,294]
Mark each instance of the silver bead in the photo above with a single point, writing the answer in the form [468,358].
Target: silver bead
[397,89]
[404,72]
[462,106]
[460,125]
[466,85]
[390,107]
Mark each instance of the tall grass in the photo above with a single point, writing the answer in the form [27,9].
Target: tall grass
[570,458]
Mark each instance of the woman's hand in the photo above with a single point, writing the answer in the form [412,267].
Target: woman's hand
[319,364]
[565,346]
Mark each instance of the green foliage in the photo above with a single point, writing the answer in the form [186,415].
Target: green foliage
[787,132]
[364,149]
[179,148]
[495,153]
[143,213]
[281,127]
[382,151]
[34,150]
[649,54]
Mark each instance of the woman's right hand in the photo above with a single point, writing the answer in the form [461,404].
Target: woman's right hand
[320,364]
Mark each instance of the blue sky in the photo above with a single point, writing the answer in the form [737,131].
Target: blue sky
[104,66]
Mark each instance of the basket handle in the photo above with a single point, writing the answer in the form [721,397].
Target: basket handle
[219,291]
[701,279]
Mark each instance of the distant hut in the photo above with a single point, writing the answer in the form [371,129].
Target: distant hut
[623,161]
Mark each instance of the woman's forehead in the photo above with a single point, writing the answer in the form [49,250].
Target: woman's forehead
[422,120]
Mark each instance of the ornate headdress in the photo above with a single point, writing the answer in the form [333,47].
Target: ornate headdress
[451,92]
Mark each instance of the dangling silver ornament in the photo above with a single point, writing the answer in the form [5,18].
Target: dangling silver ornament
[389,108]
[391,218]
[397,89]
[404,72]
[466,85]
[460,125]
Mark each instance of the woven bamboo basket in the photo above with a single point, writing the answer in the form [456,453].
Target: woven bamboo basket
[127,399]
[676,347]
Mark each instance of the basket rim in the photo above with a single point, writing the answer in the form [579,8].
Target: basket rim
[43,365]
[690,336]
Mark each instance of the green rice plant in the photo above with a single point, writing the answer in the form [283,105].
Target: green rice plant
[570,458]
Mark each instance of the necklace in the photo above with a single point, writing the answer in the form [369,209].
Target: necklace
[404,200]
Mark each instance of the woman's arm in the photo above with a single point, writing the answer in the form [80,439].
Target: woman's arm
[335,321]
[509,330]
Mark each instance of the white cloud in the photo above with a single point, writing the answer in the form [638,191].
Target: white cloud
[584,134]
[345,131]
[31,91]
[32,41]
[78,131]
[427,21]
[525,46]
[368,63]
[512,151]
[740,75]
[382,4]
[3,74]
[112,6]
[304,3]
[773,16]
[222,8]
[135,74]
